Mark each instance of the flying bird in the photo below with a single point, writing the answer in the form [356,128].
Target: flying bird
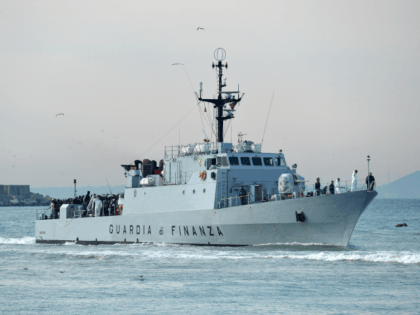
[102,131]
[200,28]
[177,64]
[59,114]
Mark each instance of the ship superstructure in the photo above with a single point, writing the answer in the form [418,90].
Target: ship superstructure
[213,193]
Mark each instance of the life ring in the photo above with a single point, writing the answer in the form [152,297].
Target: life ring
[203,175]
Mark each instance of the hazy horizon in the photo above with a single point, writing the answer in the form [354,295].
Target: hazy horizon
[345,76]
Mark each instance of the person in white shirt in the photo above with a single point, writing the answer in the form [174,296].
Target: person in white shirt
[354,181]
[337,186]
[98,207]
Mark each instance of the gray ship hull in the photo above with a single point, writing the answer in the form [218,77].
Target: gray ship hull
[329,219]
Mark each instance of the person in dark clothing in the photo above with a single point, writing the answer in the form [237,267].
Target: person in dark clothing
[317,187]
[112,211]
[324,190]
[57,206]
[86,200]
[332,188]
[370,181]
[243,196]
[105,207]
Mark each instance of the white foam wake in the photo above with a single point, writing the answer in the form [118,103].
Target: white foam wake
[156,254]
[19,241]
[295,244]
[378,257]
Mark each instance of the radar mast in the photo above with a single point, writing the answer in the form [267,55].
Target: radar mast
[223,97]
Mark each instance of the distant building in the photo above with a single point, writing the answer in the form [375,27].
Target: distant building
[19,195]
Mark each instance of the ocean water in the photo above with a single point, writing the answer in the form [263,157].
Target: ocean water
[378,273]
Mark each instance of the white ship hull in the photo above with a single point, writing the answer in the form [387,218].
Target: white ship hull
[329,219]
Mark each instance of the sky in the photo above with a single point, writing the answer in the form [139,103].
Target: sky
[345,78]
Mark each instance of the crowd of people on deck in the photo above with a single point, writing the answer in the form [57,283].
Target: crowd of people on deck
[92,205]
[336,188]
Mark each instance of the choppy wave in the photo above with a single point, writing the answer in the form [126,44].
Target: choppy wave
[295,244]
[379,257]
[69,243]
[18,241]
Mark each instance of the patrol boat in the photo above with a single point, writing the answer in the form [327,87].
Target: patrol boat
[214,193]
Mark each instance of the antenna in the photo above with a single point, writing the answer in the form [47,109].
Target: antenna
[205,134]
[269,109]
[75,191]
[241,136]
[223,97]
[108,185]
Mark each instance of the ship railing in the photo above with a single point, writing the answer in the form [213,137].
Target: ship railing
[44,214]
[195,149]
[308,191]
[83,213]
[48,214]
[345,187]
[244,147]
[236,201]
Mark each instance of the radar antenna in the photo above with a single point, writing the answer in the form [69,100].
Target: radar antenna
[223,97]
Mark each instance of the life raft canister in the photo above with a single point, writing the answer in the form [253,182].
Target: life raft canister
[203,175]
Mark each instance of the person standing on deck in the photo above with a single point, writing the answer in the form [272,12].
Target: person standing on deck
[354,181]
[243,195]
[370,181]
[86,200]
[317,187]
[120,204]
[337,186]
[332,188]
[98,206]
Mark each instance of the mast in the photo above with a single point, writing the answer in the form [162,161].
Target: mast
[223,97]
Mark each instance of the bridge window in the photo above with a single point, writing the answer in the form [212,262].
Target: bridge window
[280,161]
[233,160]
[268,161]
[222,160]
[256,161]
[245,160]
[210,163]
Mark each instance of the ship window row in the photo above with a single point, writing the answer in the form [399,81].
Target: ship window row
[257,161]
[219,161]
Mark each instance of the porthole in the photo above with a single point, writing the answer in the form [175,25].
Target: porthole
[183,192]
[135,192]
[144,192]
[194,191]
[204,190]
